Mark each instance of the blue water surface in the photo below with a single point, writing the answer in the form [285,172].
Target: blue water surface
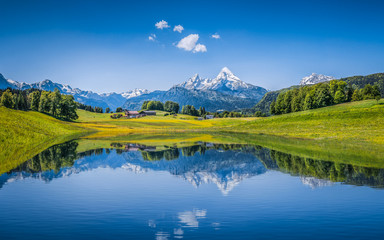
[212,194]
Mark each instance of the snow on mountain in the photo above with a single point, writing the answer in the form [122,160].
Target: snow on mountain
[134,93]
[104,100]
[224,79]
[225,82]
[315,182]
[195,82]
[315,78]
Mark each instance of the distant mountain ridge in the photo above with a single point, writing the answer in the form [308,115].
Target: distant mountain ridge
[225,92]
[104,100]
[315,78]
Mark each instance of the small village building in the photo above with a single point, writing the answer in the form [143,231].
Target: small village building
[209,117]
[132,114]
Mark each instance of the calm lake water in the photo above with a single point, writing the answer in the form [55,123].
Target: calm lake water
[203,191]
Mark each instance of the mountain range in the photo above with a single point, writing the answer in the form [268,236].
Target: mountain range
[104,100]
[224,92]
[315,78]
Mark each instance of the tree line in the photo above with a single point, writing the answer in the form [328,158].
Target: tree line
[321,95]
[168,106]
[54,103]
[174,107]
[89,108]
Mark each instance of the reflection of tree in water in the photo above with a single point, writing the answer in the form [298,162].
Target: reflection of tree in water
[336,172]
[64,155]
[93,152]
[295,165]
[54,158]
[172,152]
[167,154]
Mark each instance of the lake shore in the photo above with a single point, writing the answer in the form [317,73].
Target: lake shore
[349,130]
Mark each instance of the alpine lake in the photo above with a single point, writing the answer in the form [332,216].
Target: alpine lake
[195,187]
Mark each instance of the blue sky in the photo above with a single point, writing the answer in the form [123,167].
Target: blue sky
[104,46]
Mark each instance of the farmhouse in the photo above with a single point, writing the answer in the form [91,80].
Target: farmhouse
[132,114]
[209,117]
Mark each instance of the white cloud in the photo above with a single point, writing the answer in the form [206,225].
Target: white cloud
[162,24]
[189,42]
[215,36]
[200,48]
[152,37]
[178,28]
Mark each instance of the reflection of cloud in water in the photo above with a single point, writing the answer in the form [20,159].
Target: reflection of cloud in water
[216,225]
[190,218]
[152,224]
[178,232]
[186,219]
[162,236]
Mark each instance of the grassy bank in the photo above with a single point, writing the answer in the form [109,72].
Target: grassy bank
[24,134]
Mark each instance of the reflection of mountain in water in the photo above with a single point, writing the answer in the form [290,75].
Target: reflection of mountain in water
[315,182]
[225,165]
[224,168]
[197,164]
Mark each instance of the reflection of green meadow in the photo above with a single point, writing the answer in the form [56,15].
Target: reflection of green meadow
[363,154]
[346,133]
[65,155]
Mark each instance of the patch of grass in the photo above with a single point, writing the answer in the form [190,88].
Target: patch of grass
[24,134]
[350,122]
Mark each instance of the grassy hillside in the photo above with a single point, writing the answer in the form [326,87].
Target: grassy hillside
[356,81]
[24,134]
[354,122]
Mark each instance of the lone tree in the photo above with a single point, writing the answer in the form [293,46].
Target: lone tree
[170,106]
[189,110]
[6,99]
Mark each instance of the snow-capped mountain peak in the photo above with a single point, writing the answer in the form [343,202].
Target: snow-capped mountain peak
[224,78]
[195,82]
[315,78]
[226,74]
[225,82]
